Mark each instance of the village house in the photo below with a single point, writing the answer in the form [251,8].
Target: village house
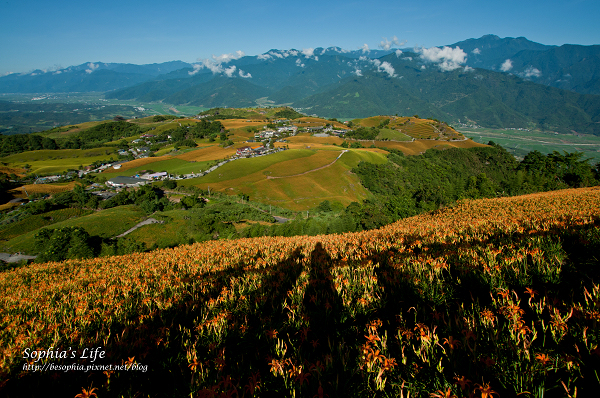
[155,176]
[243,151]
[126,182]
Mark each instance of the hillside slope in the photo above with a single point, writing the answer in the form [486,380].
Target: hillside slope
[510,284]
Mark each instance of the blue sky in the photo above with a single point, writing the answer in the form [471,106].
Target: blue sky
[47,34]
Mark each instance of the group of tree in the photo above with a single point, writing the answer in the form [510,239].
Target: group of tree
[363,133]
[76,243]
[409,185]
[18,143]
[93,137]
[288,113]
[148,198]
[185,135]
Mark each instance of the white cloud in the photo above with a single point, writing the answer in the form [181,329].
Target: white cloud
[357,72]
[468,69]
[91,67]
[230,71]
[532,72]
[299,63]
[197,68]
[476,51]
[423,67]
[447,58]
[263,56]
[409,58]
[381,66]
[224,58]
[215,64]
[386,45]
[365,48]
[387,68]
[276,54]
[506,65]
[335,49]
[245,75]
[310,53]
[293,53]
[398,53]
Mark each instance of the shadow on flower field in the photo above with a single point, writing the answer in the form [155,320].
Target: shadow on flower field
[438,305]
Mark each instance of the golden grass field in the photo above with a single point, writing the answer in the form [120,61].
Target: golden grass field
[296,192]
[302,165]
[419,146]
[239,123]
[373,121]
[214,152]
[12,170]
[306,138]
[20,192]
[9,205]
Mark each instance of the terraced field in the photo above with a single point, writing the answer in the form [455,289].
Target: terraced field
[48,161]
[419,146]
[30,189]
[296,192]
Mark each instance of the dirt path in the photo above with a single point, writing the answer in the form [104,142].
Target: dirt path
[141,224]
[14,258]
[310,171]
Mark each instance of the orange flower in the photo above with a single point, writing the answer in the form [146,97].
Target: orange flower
[87,393]
[486,391]
[443,394]
[452,343]
[462,381]
[543,359]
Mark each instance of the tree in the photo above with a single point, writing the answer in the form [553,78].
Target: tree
[63,243]
[324,206]
[170,184]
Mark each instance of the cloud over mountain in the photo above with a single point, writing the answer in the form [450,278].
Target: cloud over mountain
[506,65]
[91,67]
[387,45]
[215,64]
[447,58]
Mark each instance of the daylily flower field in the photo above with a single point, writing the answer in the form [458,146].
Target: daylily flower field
[488,298]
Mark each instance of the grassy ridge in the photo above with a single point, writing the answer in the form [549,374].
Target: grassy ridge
[34,222]
[296,192]
[54,161]
[107,223]
[491,296]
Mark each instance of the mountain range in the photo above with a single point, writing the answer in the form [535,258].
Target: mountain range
[490,81]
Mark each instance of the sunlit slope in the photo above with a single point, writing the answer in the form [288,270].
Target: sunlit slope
[47,161]
[297,179]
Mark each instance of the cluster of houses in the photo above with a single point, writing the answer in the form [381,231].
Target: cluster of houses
[247,151]
[137,181]
[141,149]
